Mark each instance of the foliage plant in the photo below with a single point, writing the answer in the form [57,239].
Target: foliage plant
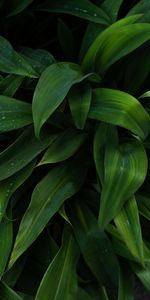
[75,140]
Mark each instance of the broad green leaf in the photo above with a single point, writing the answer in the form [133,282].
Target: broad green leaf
[6,241]
[94,245]
[16,6]
[89,59]
[119,108]
[80,8]
[125,171]
[7,293]
[9,186]
[14,114]
[79,102]
[128,224]
[112,8]
[53,86]
[58,185]
[120,43]
[10,84]
[126,291]
[66,38]
[64,146]
[22,152]
[12,62]
[60,279]
[39,59]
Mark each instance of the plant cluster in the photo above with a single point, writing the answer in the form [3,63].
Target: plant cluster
[75,140]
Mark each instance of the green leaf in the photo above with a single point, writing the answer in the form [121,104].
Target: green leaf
[119,43]
[82,295]
[10,84]
[7,293]
[64,146]
[112,8]
[6,241]
[39,59]
[143,273]
[79,102]
[80,8]
[126,291]
[22,152]
[142,7]
[11,184]
[89,60]
[53,86]
[100,139]
[125,171]
[128,224]
[66,180]
[12,62]
[60,279]
[14,114]
[94,245]
[119,108]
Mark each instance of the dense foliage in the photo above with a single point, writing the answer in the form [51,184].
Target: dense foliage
[75,140]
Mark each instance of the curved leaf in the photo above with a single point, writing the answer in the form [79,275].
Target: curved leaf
[60,279]
[125,171]
[12,62]
[128,224]
[59,184]
[22,152]
[14,114]
[119,108]
[79,102]
[64,146]
[53,86]
[7,293]
[89,59]
[80,8]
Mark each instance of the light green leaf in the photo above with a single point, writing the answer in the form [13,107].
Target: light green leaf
[60,279]
[125,171]
[119,108]
[59,184]
[111,8]
[145,95]
[10,84]
[80,8]
[94,245]
[22,152]
[128,224]
[12,62]
[79,102]
[14,114]
[119,43]
[6,241]
[126,291]
[89,60]
[143,273]
[53,86]
[7,293]
[10,185]
[64,146]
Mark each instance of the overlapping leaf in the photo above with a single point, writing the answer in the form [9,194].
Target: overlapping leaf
[60,279]
[119,108]
[81,8]
[52,88]
[125,171]
[58,185]
[14,114]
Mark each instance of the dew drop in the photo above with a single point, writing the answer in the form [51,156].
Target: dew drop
[3,117]
[95,15]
